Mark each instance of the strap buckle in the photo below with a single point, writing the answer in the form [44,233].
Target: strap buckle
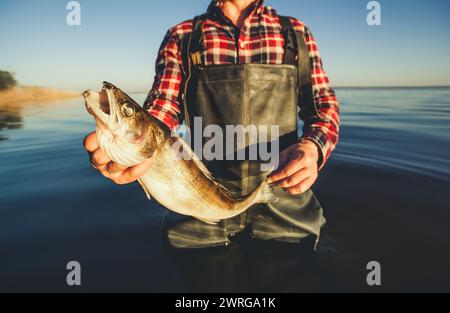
[196,58]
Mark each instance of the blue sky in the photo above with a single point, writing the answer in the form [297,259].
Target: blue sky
[118,40]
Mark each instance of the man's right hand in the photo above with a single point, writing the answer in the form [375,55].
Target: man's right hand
[117,173]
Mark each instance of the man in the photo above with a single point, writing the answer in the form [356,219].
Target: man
[241,63]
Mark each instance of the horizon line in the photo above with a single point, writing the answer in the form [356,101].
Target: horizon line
[393,87]
[364,87]
[134,91]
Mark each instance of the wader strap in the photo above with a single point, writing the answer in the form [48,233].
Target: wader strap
[290,48]
[191,48]
[296,52]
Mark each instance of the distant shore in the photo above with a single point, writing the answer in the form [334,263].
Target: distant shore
[29,93]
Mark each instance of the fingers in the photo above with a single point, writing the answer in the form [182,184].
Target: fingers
[122,175]
[298,171]
[99,158]
[135,172]
[287,170]
[101,161]
[114,172]
[294,179]
[90,142]
[302,187]
[117,173]
[114,168]
[299,182]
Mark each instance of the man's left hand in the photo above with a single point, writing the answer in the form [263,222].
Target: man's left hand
[298,168]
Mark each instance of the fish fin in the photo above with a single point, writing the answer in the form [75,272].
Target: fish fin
[190,155]
[265,194]
[149,196]
[208,221]
[211,177]
[202,167]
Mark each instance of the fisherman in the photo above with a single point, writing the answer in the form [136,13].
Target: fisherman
[241,63]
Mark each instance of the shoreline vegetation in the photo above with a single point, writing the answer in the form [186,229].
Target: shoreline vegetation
[32,93]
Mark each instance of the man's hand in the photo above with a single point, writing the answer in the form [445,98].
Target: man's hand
[298,168]
[117,173]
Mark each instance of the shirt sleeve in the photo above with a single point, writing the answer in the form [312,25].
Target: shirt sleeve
[321,124]
[163,101]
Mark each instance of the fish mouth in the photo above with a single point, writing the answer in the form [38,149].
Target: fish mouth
[103,105]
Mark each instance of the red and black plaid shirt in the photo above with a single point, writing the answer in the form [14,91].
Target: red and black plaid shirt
[260,41]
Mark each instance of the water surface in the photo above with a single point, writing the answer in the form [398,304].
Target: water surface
[384,191]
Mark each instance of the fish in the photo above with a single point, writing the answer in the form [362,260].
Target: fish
[129,135]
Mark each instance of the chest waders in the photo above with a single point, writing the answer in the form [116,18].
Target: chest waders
[248,94]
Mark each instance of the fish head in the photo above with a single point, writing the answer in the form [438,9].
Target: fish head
[127,133]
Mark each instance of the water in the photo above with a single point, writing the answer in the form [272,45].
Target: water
[384,191]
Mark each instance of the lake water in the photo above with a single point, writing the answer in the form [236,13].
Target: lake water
[384,191]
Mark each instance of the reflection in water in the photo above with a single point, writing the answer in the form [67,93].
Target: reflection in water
[384,193]
[10,118]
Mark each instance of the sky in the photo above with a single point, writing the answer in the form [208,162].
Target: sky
[118,40]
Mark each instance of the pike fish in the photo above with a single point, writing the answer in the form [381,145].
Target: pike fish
[129,135]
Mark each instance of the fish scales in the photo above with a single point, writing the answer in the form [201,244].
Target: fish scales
[129,135]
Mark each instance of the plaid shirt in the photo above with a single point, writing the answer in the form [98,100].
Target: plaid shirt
[260,40]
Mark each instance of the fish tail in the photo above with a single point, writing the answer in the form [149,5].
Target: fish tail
[264,194]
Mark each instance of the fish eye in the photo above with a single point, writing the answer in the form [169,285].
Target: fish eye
[127,110]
